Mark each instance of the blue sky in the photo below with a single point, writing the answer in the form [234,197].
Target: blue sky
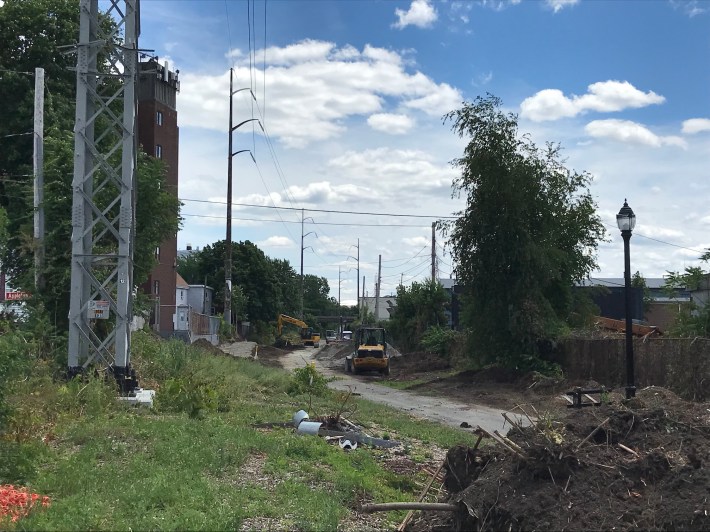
[351,94]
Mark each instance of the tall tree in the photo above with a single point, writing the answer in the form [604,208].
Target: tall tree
[528,232]
[30,33]
[419,307]
[693,318]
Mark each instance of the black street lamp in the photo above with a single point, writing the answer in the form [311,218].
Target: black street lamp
[626,220]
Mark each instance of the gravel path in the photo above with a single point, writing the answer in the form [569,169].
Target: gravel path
[436,409]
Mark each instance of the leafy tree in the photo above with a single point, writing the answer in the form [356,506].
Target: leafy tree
[527,233]
[33,30]
[419,307]
[638,281]
[694,318]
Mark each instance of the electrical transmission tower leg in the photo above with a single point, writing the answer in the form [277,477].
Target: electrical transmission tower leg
[103,224]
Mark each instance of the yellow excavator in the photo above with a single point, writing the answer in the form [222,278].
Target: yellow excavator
[308,335]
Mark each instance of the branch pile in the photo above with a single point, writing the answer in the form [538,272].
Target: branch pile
[638,464]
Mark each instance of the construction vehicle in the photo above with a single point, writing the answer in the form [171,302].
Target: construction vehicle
[370,353]
[308,335]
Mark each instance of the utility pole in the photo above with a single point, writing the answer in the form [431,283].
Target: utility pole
[228,242]
[38,163]
[302,250]
[338,290]
[433,252]
[377,290]
[363,298]
[358,278]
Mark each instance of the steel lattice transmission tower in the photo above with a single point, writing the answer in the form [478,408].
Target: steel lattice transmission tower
[103,210]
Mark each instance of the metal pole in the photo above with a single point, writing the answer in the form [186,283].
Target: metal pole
[228,241]
[38,163]
[302,288]
[338,290]
[630,386]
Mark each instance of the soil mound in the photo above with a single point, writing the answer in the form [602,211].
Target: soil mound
[640,464]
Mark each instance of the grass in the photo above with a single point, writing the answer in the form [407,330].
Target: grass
[196,461]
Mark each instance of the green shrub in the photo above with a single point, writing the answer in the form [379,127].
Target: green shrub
[188,395]
[15,358]
[439,340]
[308,380]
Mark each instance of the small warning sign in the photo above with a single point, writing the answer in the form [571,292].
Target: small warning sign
[98,309]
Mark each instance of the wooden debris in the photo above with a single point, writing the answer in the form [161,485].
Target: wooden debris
[395,506]
[512,422]
[409,515]
[500,440]
[628,449]
[593,432]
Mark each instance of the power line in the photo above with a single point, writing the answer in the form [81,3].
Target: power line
[657,240]
[298,222]
[332,211]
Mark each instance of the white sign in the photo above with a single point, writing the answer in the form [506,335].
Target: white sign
[98,309]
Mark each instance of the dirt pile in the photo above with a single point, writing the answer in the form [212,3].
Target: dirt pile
[637,464]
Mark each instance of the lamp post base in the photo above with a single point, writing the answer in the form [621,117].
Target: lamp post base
[630,392]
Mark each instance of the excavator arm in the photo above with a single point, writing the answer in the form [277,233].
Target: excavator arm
[283,318]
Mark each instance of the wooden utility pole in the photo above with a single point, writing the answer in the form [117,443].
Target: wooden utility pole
[358,278]
[38,163]
[377,289]
[228,242]
[433,252]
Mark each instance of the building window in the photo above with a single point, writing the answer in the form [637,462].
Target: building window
[157,253]
[159,118]
[156,287]
[158,151]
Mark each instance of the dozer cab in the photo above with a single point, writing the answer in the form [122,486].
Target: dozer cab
[370,353]
[308,335]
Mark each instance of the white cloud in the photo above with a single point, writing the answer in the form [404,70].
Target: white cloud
[397,175]
[604,96]
[628,131]
[689,7]
[558,5]
[696,125]
[394,124]
[312,89]
[417,241]
[300,52]
[276,242]
[421,14]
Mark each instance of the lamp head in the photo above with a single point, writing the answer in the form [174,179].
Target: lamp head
[626,219]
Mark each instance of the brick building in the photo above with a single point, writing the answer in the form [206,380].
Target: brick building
[158,135]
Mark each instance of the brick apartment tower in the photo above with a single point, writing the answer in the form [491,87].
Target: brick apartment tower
[158,135]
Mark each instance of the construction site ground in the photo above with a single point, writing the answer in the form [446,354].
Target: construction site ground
[638,464]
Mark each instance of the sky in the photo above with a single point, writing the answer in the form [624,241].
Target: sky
[351,94]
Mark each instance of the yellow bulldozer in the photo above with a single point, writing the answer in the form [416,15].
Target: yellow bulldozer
[307,334]
[370,353]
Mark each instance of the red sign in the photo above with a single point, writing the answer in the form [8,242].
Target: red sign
[16,296]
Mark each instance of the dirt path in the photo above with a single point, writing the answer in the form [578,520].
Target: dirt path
[436,409]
